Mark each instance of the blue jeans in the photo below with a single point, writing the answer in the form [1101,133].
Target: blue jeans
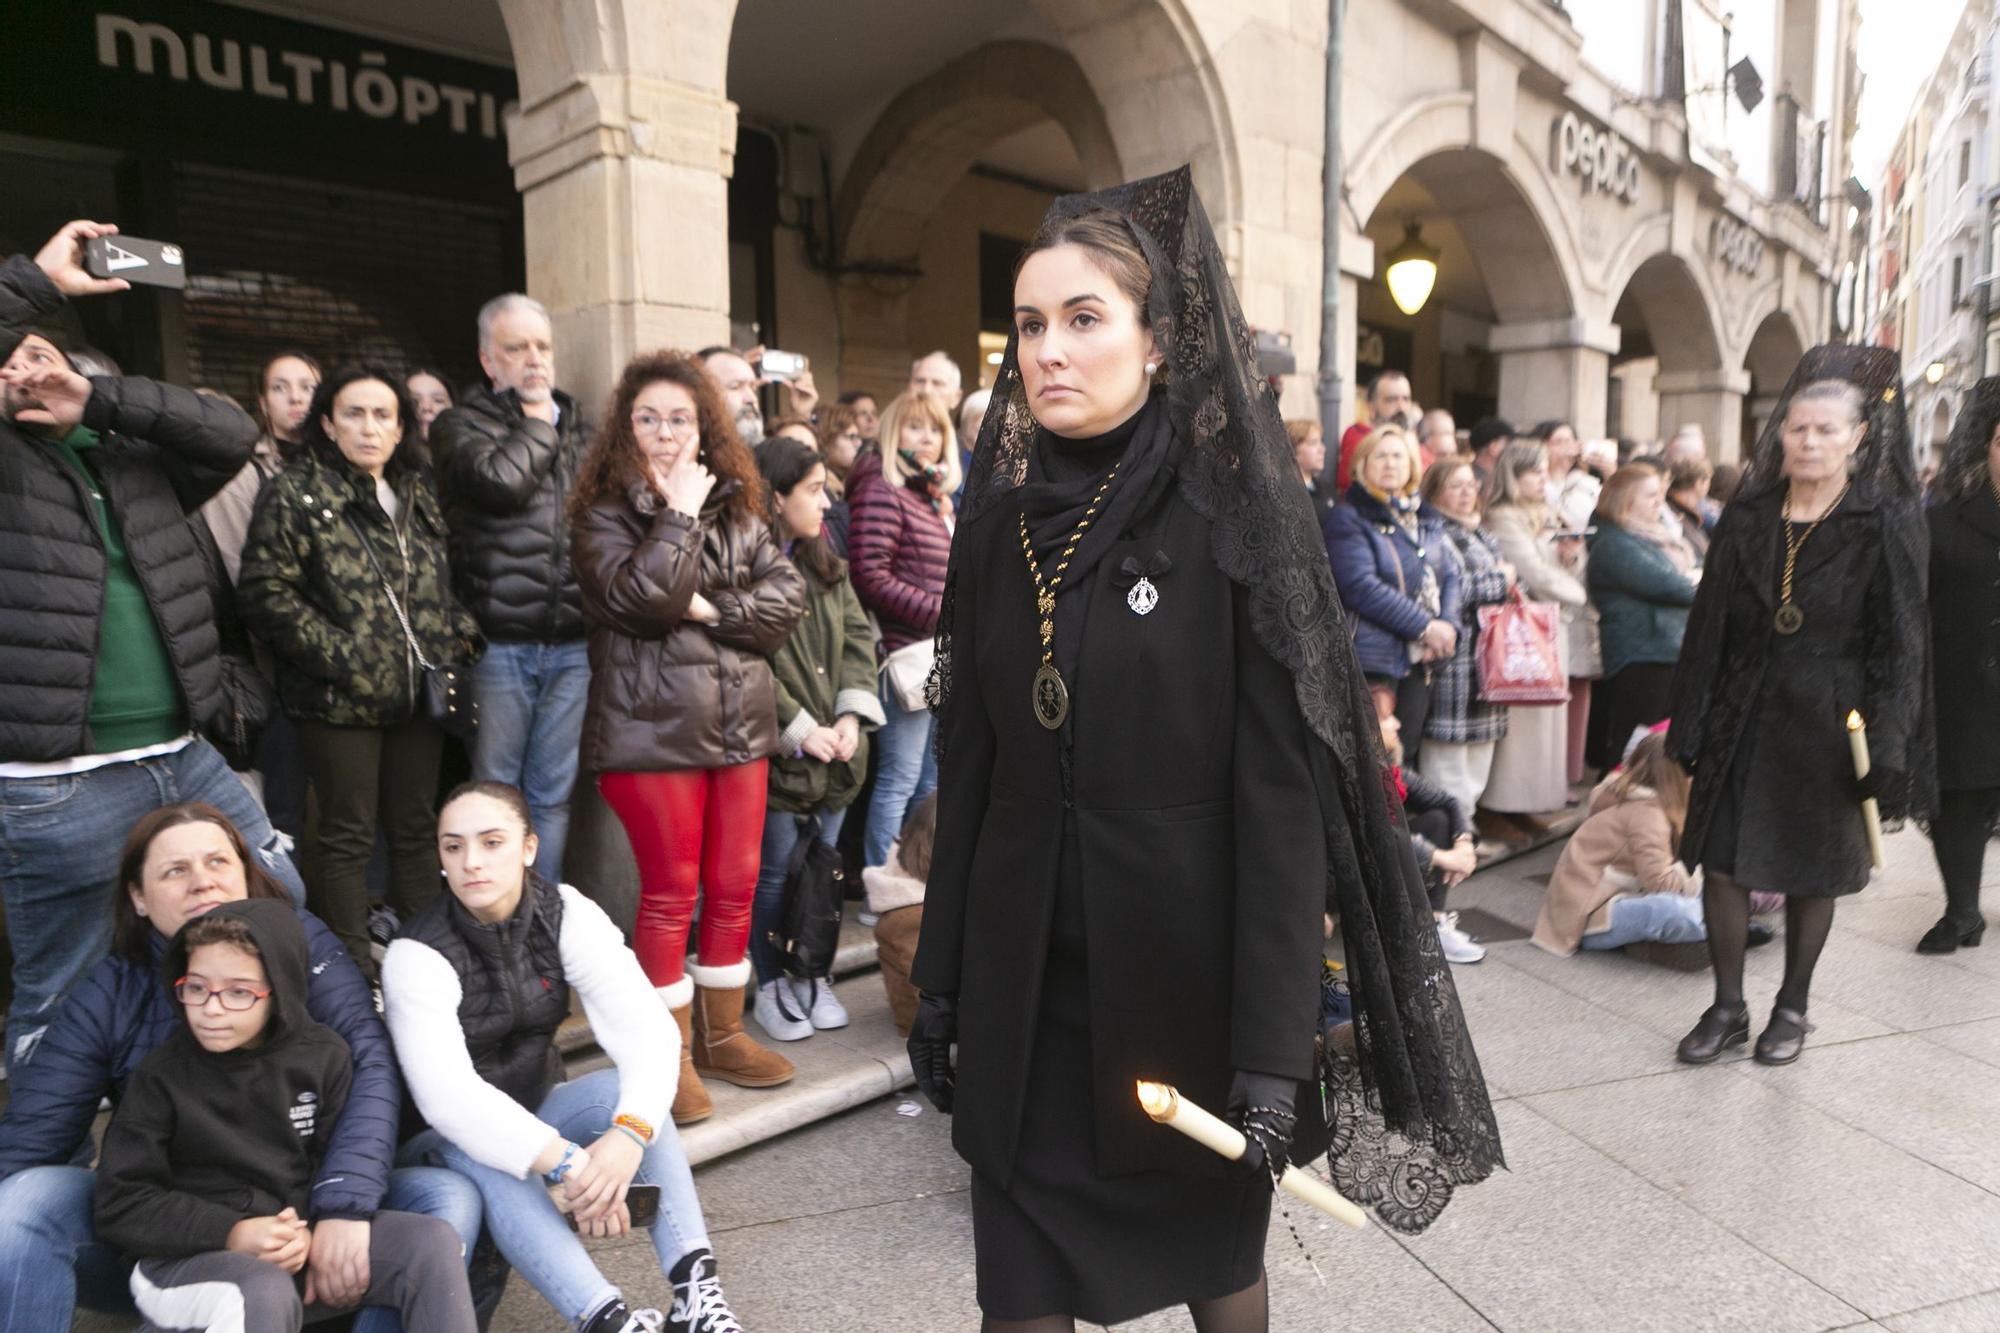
[905,773]
[1665,918]
[531,698]
[533,1235]
[781,838]
[51,1260]
[59,845]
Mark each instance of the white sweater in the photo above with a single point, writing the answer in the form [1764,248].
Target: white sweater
[420,997]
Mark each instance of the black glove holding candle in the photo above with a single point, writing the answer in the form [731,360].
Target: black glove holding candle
[932,1032]
[1261,1106]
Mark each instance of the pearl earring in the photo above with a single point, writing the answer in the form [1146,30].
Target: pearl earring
[1150,367]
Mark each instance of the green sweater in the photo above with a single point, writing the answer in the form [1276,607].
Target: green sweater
[134,698]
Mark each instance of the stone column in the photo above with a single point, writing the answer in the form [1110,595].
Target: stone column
[622,149]
[1711,399]
[1555,368]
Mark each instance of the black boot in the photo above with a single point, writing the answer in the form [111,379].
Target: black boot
[1947,936]
[1721,1027]
[1783,1037]
[698,1303]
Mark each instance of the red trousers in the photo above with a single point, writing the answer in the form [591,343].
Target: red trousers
[695,830]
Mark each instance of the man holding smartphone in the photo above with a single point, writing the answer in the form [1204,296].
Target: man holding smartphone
[506,458]
[110,665]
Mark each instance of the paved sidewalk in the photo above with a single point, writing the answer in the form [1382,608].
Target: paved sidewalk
[1859,1188]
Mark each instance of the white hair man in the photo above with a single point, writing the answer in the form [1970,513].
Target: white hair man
[506,460]
[937,375]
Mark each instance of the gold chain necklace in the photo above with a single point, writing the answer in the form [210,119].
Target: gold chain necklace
[1790,619]
[1051,695]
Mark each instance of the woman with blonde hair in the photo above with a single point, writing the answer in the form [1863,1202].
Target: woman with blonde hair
[1309,452]
[1463,730]
[899,543]
[1396,580]
[1531,766]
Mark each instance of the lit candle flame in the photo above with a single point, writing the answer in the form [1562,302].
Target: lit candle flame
[1156,1099]
[1853,720]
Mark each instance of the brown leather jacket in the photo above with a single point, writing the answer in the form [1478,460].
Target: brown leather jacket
[665,692]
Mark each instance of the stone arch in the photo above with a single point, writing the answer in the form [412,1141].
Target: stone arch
[1157,82]
[1774,349]
[557,43]
[1679,310]
[937,127]
[1527,267]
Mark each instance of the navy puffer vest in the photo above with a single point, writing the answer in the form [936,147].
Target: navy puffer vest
[512,993]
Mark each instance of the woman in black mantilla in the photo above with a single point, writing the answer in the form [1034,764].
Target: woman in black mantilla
[1965,649]
[1159,763]
[1812,604]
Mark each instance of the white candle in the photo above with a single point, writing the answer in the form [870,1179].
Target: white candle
[1871,812]
[1164,1104]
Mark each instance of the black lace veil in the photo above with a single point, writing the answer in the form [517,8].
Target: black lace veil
[1884,461]
[1407,1106]
[1964,468]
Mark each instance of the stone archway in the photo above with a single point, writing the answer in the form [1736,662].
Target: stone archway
[1665,311]
[1774,351]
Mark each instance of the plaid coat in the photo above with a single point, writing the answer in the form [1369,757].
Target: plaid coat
[1458,716]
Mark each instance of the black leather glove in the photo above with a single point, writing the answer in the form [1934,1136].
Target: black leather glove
[1261,1106]
[932,1032]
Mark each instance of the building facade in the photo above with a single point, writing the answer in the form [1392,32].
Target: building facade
[1934,240]
[1619,242]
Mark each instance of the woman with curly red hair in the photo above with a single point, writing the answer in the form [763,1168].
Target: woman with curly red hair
[685,593]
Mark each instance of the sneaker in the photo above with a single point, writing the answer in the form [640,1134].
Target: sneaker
[1458,946]
[698,1303]
[822,1006]
[779,1013]
[383,923]
[617,1318]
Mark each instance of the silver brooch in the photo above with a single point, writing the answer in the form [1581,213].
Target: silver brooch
[1143,597]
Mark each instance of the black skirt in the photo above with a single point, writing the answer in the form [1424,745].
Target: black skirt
[1061,1240]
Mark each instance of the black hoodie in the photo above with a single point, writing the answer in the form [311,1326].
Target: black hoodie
[201,1140]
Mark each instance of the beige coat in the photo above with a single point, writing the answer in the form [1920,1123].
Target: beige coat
[1625,847]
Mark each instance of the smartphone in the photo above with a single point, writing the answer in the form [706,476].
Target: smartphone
[641,1201]
[786,366]
[135,259]
[1577,533]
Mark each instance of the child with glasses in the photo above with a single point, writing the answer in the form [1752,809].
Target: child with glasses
[207,1165]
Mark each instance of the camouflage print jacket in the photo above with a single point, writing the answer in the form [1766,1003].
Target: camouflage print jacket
[309,591]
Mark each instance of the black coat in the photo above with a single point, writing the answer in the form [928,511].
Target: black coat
[1777,704]
[505,479]
[1203,864]
[1965,638]
[164,451]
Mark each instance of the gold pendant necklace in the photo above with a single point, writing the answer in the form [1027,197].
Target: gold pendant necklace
[1790,619]
[1051,694]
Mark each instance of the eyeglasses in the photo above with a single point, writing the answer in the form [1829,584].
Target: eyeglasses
[680,426]
[195,994]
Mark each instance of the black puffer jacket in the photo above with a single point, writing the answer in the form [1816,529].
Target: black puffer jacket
[164,451]
[510,978]
[505,478]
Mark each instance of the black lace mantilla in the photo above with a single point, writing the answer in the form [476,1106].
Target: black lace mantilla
[1408,1106]
[1964,468]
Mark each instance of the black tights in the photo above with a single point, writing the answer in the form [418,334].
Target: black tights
[1725,909]
[1245,1311]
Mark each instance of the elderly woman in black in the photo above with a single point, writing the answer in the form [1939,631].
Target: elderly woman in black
[1812,605]
[1965,652]
[1143,687]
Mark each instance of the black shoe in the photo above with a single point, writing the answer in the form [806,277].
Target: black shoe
[1783,1037]
[617,1317]
[698,1303]
[1761,932]
[1947,936]
[1721,1027]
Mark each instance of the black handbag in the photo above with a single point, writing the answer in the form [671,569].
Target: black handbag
[248,700]
[443,693]
[808,932]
